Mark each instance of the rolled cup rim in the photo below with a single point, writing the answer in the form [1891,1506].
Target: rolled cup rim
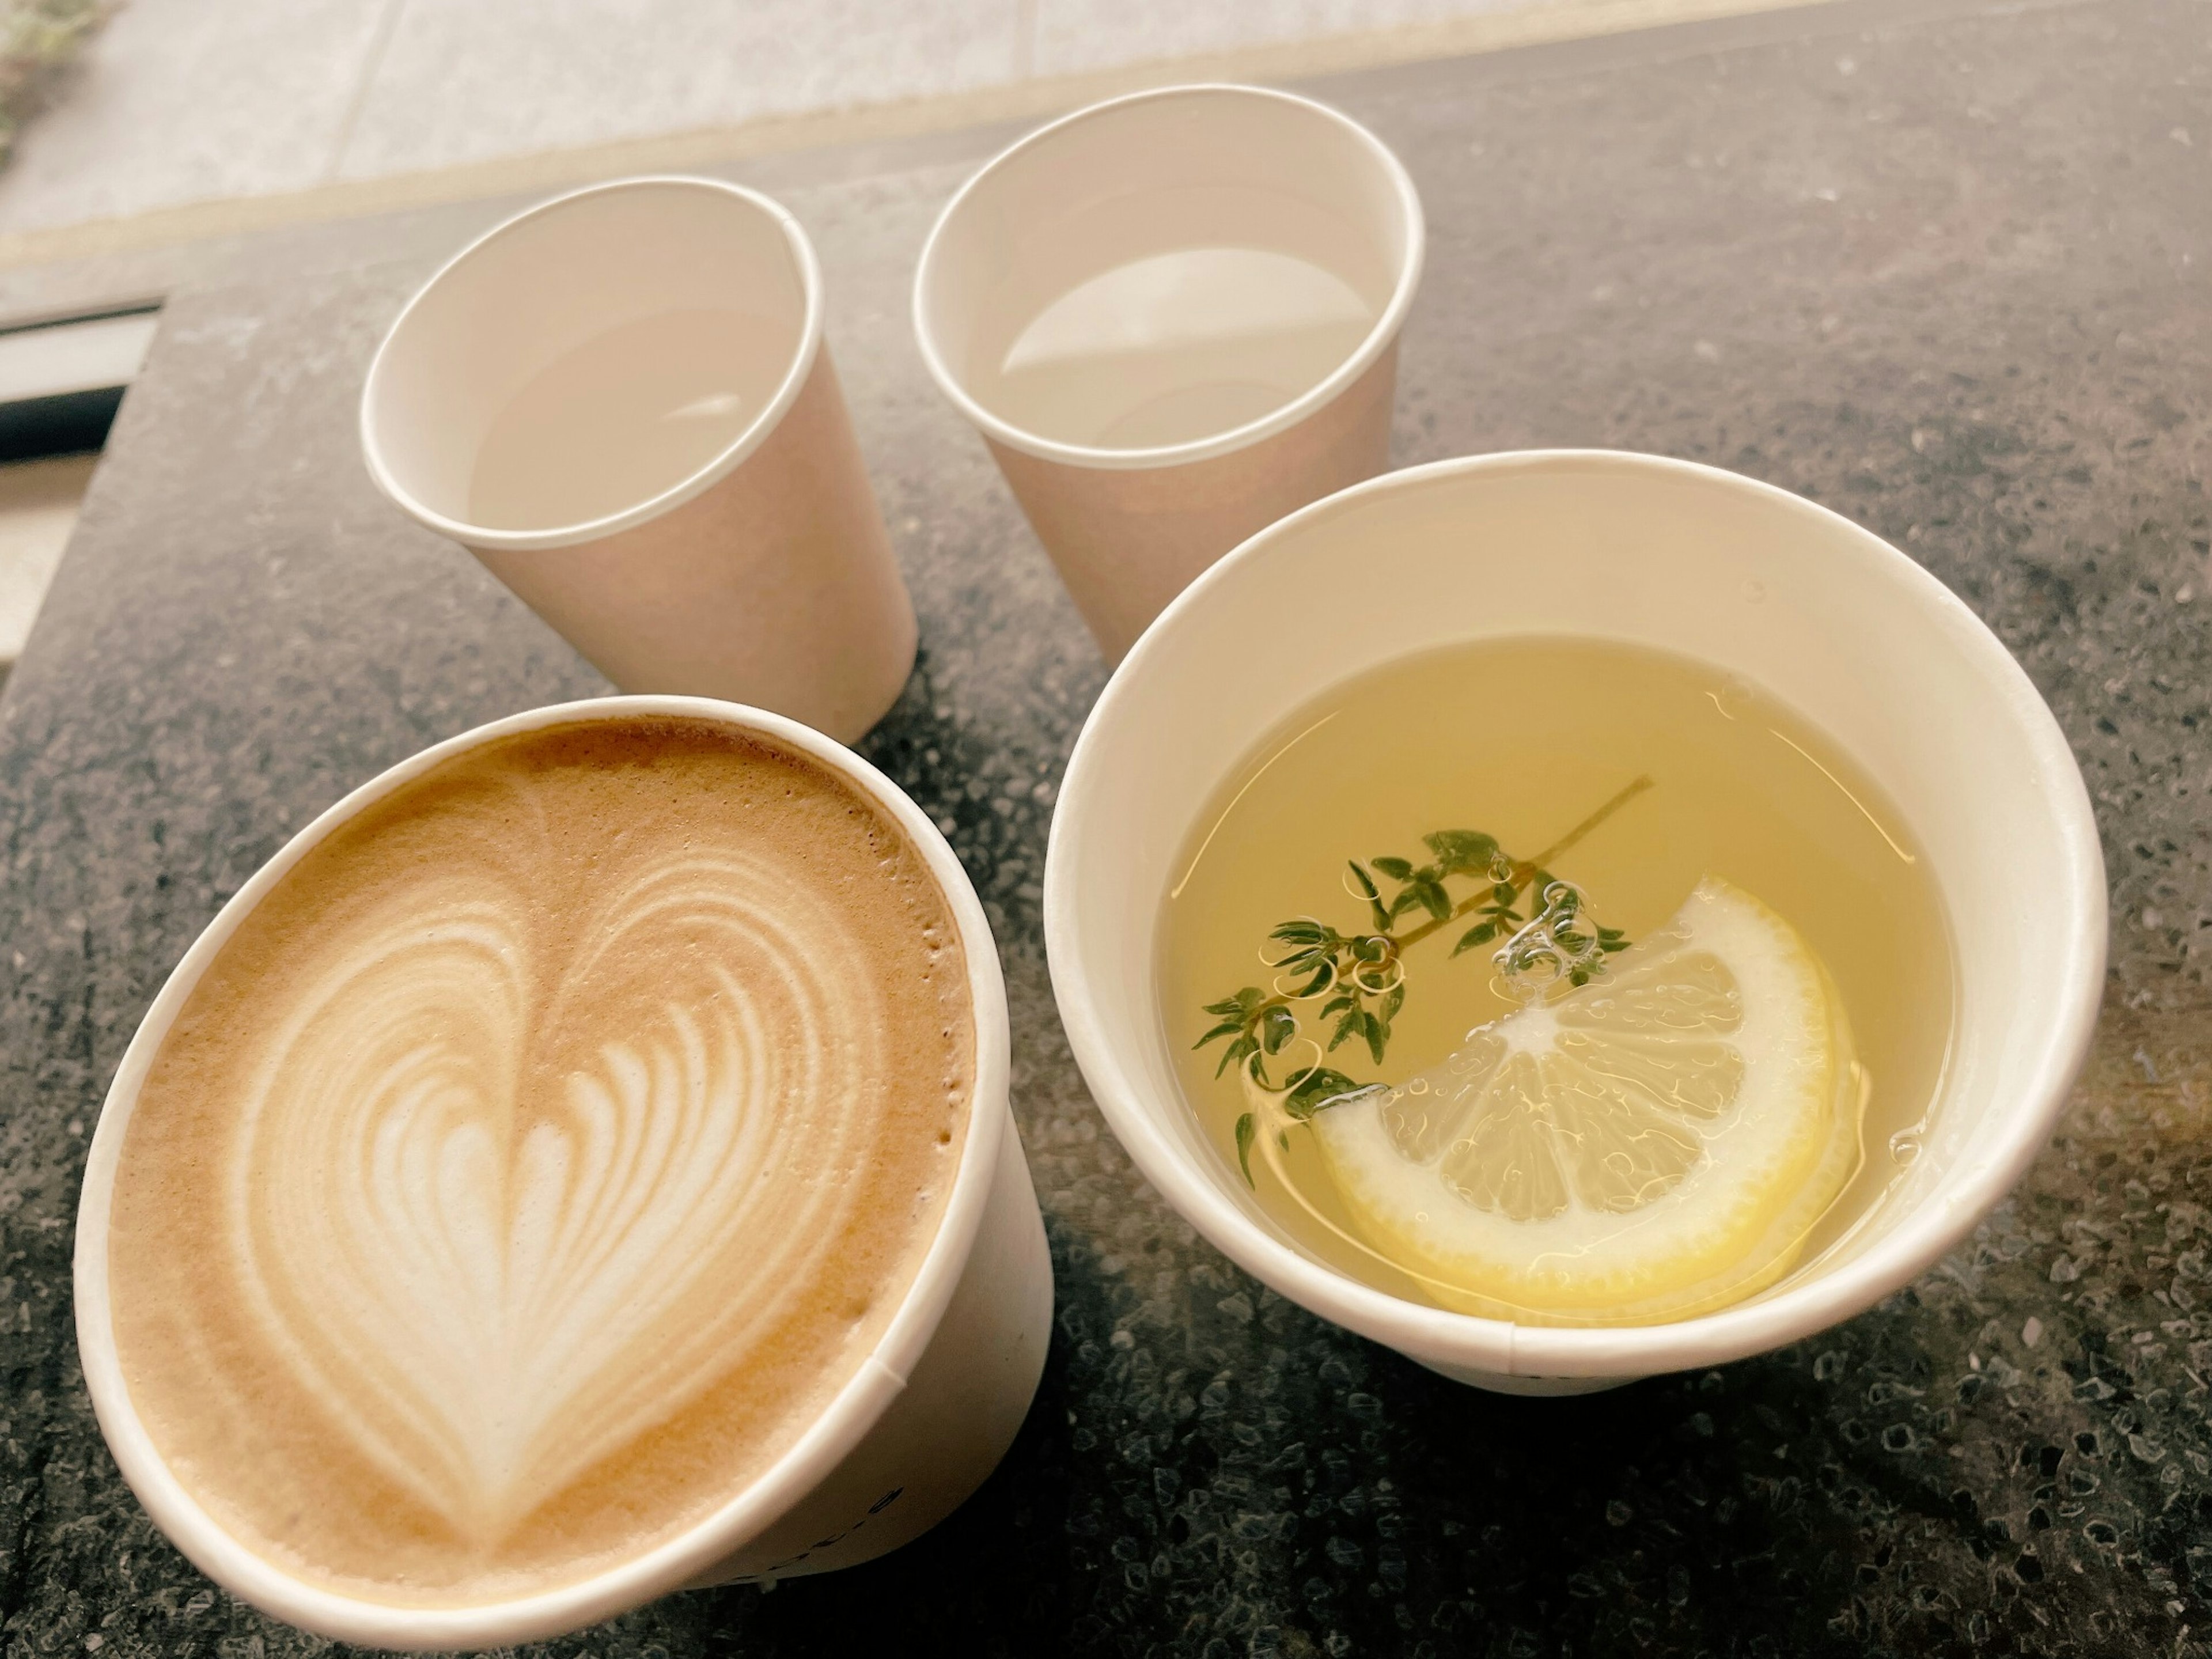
[1378,338]
[1440,1337]
[693,484]
[852,1413]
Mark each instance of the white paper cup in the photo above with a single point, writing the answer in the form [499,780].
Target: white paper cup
[1750,579]
[764,575]
[927,1416]
[1108,196]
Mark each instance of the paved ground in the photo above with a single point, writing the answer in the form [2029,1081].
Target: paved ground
[188,101]
[1943,274]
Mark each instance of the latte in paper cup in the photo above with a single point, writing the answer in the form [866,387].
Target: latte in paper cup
[578,1166]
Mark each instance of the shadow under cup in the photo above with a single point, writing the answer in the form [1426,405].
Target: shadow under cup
[1663,554]
[924,1418]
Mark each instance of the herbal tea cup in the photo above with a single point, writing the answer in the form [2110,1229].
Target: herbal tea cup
[1641,550]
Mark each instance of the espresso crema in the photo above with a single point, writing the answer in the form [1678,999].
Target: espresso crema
[537,1159]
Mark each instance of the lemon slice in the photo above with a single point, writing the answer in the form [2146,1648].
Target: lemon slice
[1652,1146]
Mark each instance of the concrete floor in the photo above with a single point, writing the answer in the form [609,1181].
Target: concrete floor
[181,102]
[1944,275]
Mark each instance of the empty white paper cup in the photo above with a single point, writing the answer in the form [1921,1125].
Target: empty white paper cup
[1174,316]
[1759,583]
[753,566]
[923,1421]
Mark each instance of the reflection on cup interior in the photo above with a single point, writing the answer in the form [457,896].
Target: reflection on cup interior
[1168,269]
[607,350]
[629,413]
[1172,344]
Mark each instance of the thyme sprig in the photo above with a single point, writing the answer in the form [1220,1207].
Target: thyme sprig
[1359,977]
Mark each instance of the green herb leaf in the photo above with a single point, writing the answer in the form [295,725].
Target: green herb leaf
[1376,1035]
[1318,1086]
[1255,1025]
[1462,852]
[1433,898]
[1473,936]
[1374,896]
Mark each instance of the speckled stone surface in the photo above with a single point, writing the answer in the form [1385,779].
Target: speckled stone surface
[1947,273]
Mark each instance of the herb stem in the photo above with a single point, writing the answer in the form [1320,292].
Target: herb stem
[1523,873]
[1353,970]
[1591,823]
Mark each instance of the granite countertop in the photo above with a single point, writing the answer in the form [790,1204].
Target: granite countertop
[1941,266]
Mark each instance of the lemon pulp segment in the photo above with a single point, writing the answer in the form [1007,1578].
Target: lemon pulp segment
[1654,1145]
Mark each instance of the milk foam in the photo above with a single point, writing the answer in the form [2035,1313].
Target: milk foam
[538,1158]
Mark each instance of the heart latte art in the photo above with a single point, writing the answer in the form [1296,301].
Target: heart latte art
[538,1158]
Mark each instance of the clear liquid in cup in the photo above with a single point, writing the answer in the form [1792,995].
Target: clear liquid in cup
[628,414]
[1175,347]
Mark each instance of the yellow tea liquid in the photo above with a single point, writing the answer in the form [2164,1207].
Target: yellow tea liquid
[1522,739]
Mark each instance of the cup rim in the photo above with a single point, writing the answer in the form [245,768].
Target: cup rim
[852,1413]
[1376,340]
[1475,1342]
[697,482]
